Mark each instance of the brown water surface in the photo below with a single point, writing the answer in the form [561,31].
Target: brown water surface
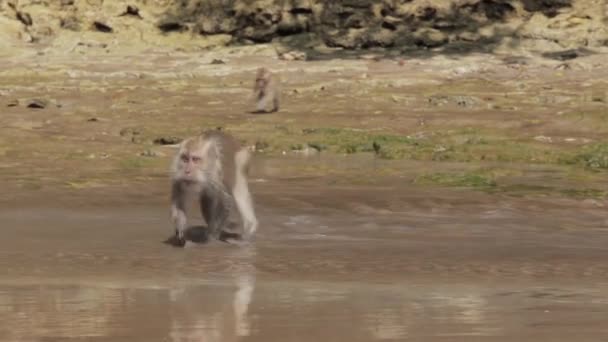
[333,263]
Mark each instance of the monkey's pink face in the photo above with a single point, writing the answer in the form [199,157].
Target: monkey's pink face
[190,167]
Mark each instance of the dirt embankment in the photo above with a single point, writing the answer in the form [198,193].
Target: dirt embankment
[313,25]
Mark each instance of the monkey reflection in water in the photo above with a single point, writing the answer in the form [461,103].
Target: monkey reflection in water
[213,167]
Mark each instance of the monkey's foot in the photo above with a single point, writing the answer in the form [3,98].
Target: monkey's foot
[175,241]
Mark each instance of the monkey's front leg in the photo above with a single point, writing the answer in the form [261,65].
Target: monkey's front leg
[178,213]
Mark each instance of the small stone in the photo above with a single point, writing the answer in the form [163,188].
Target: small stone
[430,38]
[148,153]
[13,103]
[261,145]
[168,140]
[137,139]
[370,57]
[439,148]
[217,61]
[25,18]
[129,131]
[71,23]
[37,104]
[101,27]
[543,138]
[317,146]
[93,120]
[132,11]
[293,56]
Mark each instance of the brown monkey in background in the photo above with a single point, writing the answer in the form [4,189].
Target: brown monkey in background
[213,167]
[266,89]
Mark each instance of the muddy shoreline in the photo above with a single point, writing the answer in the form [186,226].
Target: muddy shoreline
[481,216]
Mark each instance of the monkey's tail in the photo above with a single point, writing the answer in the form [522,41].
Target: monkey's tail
[243,157]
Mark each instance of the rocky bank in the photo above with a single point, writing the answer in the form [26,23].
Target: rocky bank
[312,26]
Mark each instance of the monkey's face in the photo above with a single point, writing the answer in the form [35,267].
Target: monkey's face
[190,167]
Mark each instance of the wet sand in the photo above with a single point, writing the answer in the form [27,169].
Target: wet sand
[333,263]
[349,249]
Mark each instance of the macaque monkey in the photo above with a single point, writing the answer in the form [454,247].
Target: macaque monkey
[265,89]
[213,167]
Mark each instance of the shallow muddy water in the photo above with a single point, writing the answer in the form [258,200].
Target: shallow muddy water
[330,263]
[349,249]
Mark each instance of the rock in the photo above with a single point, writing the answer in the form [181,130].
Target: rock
[129,131]
[13,103]
[543,138]
[260,146]
[133,133]
[293,56]
[25,18]
[291,24]
[567,54]
[148,153]
[307,151]
[71,23]
[381,38]
[217,61]
[37,104]
[439,149]
[550,8]
[468,36]
[430,38]
[391,23]
[465,101]
[172,27]
[132,11]
[168,140]
[93,120]
[317,146]
[101,27]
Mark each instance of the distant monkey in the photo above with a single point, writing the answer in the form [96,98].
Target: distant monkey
[213,167]
[266,89]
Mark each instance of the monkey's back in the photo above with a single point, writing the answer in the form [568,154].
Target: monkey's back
[228,147]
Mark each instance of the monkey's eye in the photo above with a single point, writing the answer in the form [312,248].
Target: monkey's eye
[196,159]
[184,158]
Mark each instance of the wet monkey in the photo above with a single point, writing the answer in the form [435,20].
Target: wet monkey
[213,167]
[266,90]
